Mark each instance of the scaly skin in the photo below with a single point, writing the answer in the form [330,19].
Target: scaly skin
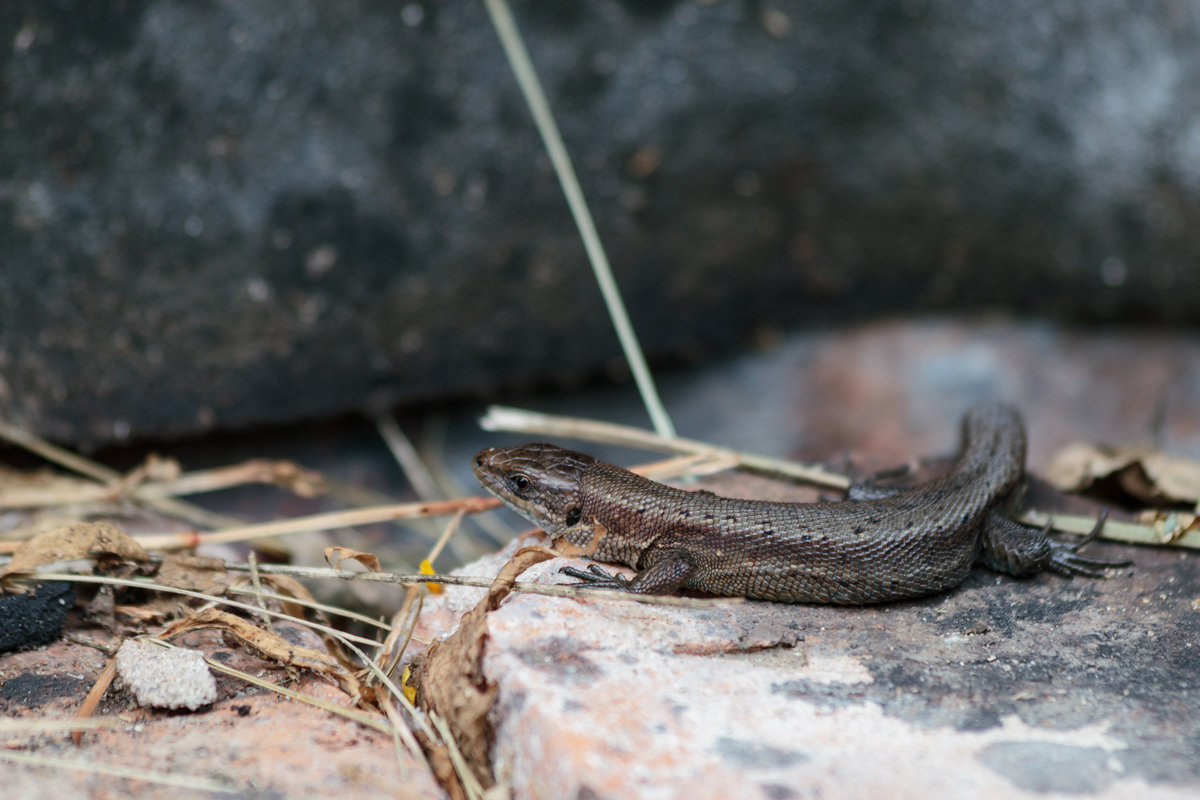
[907,544]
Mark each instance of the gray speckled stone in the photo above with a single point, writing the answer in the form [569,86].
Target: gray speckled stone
[162,677]
[1049,767]
[1001,688]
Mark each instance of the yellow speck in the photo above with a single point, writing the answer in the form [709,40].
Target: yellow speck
[427,569]
[409,691]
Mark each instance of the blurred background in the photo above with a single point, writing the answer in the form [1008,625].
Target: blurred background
[245,229]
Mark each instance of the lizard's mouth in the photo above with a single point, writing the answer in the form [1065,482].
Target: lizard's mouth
[487,477]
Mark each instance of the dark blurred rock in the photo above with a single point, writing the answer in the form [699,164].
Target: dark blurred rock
[36,617]
[219,215]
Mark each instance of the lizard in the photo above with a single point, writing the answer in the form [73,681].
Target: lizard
[885,546]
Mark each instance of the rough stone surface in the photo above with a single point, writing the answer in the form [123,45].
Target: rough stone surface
[253,742]
[1049,714]
[1002,688]
[888,392]
[219,215]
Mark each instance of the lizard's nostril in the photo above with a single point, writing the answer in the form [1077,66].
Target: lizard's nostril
[479,462]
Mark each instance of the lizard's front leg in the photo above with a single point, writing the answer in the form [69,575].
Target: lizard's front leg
[667,575]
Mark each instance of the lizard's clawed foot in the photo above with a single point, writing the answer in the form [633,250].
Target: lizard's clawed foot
[1065,558]
[596,578]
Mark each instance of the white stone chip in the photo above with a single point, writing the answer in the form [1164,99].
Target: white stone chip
[162,677]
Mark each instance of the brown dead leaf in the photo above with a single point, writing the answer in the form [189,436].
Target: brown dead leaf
[266,644]
[144,615]
[443,767]
[403,622]
[78,540]
[101,609]
[1146,474]
[161,607]
[196,573]
[289,586]
[334,556]
[1170,526]
[568,550]
[452,680]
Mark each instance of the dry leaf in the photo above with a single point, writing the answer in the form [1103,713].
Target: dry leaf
[196,573]
[403,622]
[451,677]
[568,550]
[1170,526]
[443,766]
[102,608]
[1144,473]
[287,585]
[79,540]
[334,556]
[265,643]
[144,615]
[160,607]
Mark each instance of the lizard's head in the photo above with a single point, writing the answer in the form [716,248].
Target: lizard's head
[540,482]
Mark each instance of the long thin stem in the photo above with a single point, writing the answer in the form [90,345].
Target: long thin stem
[531,88]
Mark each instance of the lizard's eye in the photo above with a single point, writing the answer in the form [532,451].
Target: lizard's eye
[519,482]
[573,517]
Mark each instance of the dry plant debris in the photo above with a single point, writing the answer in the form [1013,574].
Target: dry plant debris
[1145,474]
[138,593]
[453,691]
[68,542]
[334,556]
[452,681]
[156,478]
[197,573]
[266,644]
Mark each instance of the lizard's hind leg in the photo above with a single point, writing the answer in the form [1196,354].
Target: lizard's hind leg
[1013,548]
[1067,561]
[1021,550]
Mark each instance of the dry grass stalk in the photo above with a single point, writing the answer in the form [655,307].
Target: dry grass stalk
[505,418]
[98,472]
[192,782]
